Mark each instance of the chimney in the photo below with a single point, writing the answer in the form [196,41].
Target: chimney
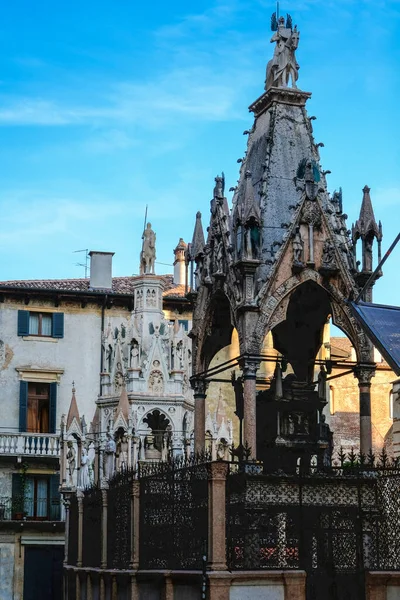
[179,263]
[101,270]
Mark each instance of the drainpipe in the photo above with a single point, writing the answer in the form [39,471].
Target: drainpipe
[103,308]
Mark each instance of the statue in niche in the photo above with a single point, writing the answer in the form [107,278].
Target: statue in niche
[109,357]
[148,254]
[109,460]
[322,383]
[119,377]
[71,460]
[298,247]
[156,383]
[84,472]
[179,354]
[283,65]
[122,453]
[135,352]
[368,254]
[252,239]
[328,254]
[219,188]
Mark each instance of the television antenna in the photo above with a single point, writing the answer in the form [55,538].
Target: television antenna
[85,265]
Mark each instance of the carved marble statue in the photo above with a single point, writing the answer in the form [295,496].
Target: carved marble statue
[109,458]
[298,247]
[135,355]
[71,459]
[148,254]
[122,453]
[84,472]
[283,65]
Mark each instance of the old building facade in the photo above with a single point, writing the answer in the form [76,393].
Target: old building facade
[119,348]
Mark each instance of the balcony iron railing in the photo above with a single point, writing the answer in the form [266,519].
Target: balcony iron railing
[45,509]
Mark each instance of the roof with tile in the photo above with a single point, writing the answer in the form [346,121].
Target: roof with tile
[120,286]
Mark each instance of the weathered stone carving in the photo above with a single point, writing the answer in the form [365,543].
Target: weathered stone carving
[298,247]
[283,65]
[109,458]
[148,254]
[156,383]
[328,255]
[219,188]
[71,459]
[311,214]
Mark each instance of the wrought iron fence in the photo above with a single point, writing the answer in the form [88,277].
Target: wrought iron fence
[334,523]
[119,520]
[174,514]
[91,517]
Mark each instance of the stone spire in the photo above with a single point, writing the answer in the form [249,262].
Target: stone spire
[366,229]
[366,225]
[198,240]
[73,412]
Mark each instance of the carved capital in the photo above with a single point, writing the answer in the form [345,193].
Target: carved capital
[364,373]
[249,367]
[217,470]
[199,387]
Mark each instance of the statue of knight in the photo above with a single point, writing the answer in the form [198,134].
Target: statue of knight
[283,64]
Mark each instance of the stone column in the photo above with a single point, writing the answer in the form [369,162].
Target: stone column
[199,395]
[79,496]
[135,524]
[66,502]
[89,591]
[104,503]
[364,374]
[217,472]
[169,589]
[249,368]
[114,588]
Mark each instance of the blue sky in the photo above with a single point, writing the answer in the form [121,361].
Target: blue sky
[108,106]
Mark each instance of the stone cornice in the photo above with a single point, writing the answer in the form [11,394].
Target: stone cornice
[291,96]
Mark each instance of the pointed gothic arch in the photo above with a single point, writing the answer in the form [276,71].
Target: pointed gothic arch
[213,326]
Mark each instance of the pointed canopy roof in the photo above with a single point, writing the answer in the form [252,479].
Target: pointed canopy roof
[366,224]
[198,240]
[73,412]
[250,208]
[123,404]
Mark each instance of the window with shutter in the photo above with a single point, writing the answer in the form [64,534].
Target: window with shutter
[23,322]
[23,405]
[42,324]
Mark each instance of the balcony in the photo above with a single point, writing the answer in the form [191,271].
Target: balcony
[44,509]
[30,444]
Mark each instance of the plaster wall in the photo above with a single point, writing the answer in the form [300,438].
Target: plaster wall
[77,353]
[6,570]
